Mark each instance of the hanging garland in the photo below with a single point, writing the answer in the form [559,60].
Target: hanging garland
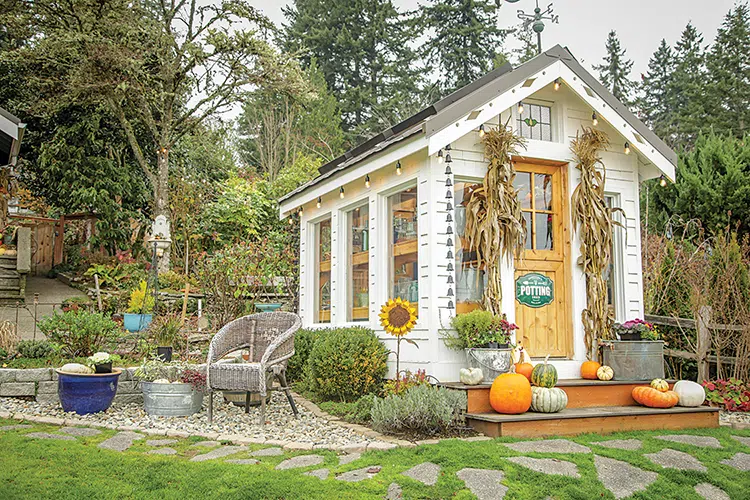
[494,224]
[596,221]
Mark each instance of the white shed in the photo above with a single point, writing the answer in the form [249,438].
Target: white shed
[374,222]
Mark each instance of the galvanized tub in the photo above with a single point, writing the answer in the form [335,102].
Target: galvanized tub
[171,400]
[492,362]
[634,359]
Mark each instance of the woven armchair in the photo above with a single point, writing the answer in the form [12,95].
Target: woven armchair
[270,339]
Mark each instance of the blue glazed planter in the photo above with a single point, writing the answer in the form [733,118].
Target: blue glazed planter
[136,322]
[86,393]
[269,307]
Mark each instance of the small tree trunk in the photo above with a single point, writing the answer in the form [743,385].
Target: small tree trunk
[161,203]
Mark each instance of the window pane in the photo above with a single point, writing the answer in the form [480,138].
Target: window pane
[522,182]
[469,277]
[359,264]
[546,132]
[542,192]
[544,231]
[323,261]
[545,114]
[404,266]
[527,218]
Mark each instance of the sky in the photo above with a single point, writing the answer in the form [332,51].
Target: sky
[584,24]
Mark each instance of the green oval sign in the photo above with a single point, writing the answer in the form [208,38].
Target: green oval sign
[534,290]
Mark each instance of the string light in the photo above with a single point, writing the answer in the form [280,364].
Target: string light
[663,181]
[398,167]
[481,130]
[520,108]
[440,156]
[627,148]
[594,119]
[557,84]
[319,202]
[341,192]
[300,211]
[367,181]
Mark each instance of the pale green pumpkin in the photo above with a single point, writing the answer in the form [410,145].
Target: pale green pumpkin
[548,400]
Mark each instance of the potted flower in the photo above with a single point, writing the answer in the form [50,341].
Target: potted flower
[486,340]
[140,307]
[170,389]
[166,330]
[638,354]
[636,329]
[101,362]
[82,391]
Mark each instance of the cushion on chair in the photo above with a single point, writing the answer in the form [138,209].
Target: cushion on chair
[235,376]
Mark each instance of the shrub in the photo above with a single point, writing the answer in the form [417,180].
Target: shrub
[405,381]
[140,301]
[422,410]
[304,340]
[75,303]
[80,333]
[732,394]
[346,363]
[34,348]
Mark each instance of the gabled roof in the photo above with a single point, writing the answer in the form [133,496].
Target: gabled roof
[11,132]
[434,120]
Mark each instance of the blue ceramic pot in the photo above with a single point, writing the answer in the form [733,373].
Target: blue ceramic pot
[136,322]
[86,393]
[268,307]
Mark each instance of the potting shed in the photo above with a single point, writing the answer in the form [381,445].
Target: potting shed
[387,219]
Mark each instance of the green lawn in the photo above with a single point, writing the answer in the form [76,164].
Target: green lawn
[67,469]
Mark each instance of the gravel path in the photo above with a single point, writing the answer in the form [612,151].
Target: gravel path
[228,419]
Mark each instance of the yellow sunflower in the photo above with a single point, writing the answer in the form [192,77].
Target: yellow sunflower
[398,317]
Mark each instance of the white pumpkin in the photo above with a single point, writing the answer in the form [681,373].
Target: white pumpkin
[76,368]
[548,400]
[471,376]
[689,393]
[161,381]
[605,373]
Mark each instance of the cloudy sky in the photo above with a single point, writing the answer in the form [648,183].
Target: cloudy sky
[584,24]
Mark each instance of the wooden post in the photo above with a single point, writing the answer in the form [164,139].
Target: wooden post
[184,303]
[57,256]
[704,342]
[98,292]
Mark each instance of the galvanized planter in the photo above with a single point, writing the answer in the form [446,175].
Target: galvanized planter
[171,400]
[492,362]
[634,359]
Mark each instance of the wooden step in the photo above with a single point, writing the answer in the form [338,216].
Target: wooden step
[600,420]
[581,393]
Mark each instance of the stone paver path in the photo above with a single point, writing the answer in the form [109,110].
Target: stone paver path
[357,475]
[426,473]
[163,451]
[484,483]
[548,446]
[319,473]
[121,441]
[224,451]
[348,458]
[622,444]
[47,435]
[207,444]
[548,466]
[243,461]
[741,461]
[160,442]
[621,478]
[300,461]
[15,427]
[267,452]
[673,459]
[743,440]
[394,492]
[702,441]
[81,431]
[711,492]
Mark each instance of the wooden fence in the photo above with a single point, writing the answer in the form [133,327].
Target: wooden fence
[703,327]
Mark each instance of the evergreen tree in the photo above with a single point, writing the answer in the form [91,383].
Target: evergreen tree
[464,39]
[728,67]
[615,72]
[363,50]
[653,103]
[528,48]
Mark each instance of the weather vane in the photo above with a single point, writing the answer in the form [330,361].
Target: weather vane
[536,20]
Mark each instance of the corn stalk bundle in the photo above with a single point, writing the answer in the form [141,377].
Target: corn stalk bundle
[495,226]
[596,221]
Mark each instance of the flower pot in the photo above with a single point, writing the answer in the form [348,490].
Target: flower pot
[136,322]
[637,360]
[629,336]
[165,353]
[103,368]
[86,393]
[173,400]
[270,307]
[492,362]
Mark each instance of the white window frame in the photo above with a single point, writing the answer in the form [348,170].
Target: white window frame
[312,264]
[556,119]
[618,253]
[343,247]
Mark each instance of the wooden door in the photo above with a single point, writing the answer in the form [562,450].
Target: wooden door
[542,275]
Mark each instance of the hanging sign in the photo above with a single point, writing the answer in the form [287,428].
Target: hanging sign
[534,290]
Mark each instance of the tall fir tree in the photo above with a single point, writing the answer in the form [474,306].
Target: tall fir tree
[464,39]
[363,49]
[653,100]
[728,66]
[615,72]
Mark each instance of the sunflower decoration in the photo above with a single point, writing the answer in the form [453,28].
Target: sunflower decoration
[398,317]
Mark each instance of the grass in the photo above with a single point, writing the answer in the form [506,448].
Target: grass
[67,469]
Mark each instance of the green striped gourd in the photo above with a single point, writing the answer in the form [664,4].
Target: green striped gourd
[544,374]
[545,400]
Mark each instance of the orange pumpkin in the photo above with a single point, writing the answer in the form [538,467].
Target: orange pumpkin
[511,394]
[589,369]
[648,396]
[525,369]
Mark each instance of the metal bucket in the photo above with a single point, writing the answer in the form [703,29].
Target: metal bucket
[171,400]
[492,362]
[635,360]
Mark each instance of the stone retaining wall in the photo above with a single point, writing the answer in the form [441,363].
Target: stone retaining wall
[41,384]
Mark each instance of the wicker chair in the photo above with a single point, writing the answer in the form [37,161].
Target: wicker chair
[270,339]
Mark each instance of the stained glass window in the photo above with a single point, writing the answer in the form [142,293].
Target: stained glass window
[535,122]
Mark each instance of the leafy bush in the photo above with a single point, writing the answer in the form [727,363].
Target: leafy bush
[140,301]
[422,410]
[75,303]
[732,394]
[304,340]
[358,412]
[346,363]
[34,348]
[80,333]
